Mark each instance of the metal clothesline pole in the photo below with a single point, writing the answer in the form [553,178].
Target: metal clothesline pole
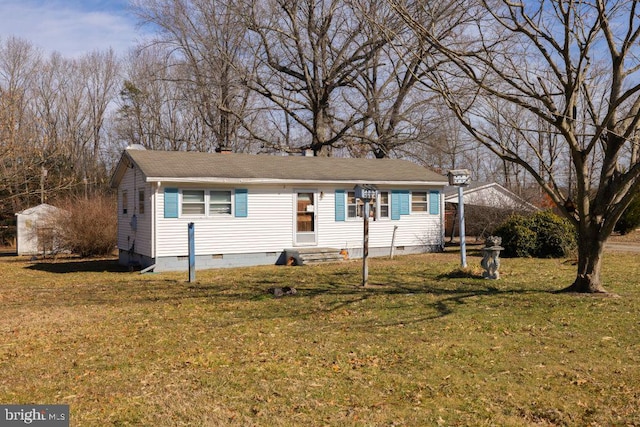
[460,178]
[463,242]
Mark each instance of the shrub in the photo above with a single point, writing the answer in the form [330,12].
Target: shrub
[630,219]
[87,227]
[555,236]
[517,238]
[481,221]
[543,234]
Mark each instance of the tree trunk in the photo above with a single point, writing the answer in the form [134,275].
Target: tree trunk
[590,253]
[319,140]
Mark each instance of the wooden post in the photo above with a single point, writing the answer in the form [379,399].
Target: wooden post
[365,244]
[365,193]
[393,242]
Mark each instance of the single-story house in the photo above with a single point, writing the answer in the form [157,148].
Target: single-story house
[34,230]
[250,209]
[485,195]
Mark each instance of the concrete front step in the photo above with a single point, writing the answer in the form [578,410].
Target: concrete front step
[308,256]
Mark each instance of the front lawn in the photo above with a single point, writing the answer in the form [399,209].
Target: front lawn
[419,347]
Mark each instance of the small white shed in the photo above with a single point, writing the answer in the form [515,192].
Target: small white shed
[33,229]
[491,196]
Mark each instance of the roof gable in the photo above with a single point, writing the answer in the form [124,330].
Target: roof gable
[489,194]
[41,209]
[181,166]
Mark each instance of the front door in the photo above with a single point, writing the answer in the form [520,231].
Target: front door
[305,218]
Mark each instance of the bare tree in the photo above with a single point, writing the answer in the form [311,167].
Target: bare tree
[100,72]
[573,66]
[204,40]
[70,99]
[395,112]
[52,112]
[153,110]
[444,144]
[60,110]
[311,53]
[20,160]
[400,111]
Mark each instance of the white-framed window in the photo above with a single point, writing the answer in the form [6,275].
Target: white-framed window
[212,203]
[384,205]
[125,202]
[141,202]
[205,203]
[193,203]
[220,202]
[420,201]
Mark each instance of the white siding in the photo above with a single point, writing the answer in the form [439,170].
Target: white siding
[269,226]
[413,230]
[30,223]
[132,182]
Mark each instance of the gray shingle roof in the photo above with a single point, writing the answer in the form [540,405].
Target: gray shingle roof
[194,166]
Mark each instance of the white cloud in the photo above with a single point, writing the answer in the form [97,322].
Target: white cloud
[66,27]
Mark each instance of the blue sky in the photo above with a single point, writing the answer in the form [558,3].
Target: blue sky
[71,27]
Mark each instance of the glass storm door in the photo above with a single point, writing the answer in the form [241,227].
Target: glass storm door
[305,218]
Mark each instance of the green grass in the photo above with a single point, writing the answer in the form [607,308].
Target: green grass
[424,345]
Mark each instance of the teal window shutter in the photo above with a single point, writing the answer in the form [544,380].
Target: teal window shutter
[434,202]
[241,203]
[171,203]
[405,202]
[395,204]
[340,208]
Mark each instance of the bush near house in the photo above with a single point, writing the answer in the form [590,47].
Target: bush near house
[481,221]
[556,237]
[87,227]
[542,235]
[518,239]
